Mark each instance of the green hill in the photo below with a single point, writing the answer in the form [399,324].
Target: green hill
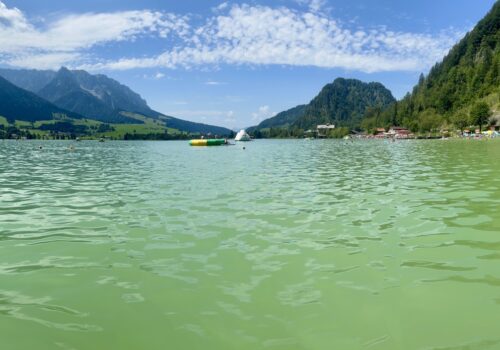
[342,103]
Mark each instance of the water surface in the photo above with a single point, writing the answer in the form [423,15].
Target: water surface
[285,245]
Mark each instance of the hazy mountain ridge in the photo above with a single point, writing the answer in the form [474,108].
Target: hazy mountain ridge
[28,79]
[97,97]
[20,104]
[112,93]
[67,91]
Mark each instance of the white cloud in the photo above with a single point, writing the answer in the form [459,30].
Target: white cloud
[237,35]
[260,35]
[66,39]
[222,6]
[214,83]
[230,118]
[43,60]
[159,75]
[263,113]
[12,18]
[316,5]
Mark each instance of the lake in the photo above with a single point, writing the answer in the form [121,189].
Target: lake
[288,244]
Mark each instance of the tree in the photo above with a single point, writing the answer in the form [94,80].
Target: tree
[369,125]
[460,120]
[338,133]
[421,80]
[429,120]
[480,113]
[394,119]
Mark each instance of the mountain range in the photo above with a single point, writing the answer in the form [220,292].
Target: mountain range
[79,93]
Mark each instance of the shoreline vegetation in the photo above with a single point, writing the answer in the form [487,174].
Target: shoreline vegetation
[478,120]
[481,121]
[69,131]
[387,136]
[65,128]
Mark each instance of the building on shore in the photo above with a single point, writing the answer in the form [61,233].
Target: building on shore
[323,130]
[395,132]
[400,133]
[380,133]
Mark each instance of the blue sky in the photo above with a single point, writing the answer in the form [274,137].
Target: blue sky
[235,63]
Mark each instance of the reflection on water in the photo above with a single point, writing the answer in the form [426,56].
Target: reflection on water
[286,245]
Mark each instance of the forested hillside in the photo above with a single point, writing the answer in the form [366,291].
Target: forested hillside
[468,75]
[342,103]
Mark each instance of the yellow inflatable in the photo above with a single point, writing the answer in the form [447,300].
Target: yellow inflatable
[207,142]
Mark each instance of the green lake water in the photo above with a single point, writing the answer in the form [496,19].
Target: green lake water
[285,245]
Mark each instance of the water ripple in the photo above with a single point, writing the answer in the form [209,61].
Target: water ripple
[289,244]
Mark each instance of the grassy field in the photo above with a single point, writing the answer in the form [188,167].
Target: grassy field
[144,126]
[149,126]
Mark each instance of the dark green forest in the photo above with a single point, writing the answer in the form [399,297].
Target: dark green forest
[343,103]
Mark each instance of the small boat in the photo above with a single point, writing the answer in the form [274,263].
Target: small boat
[208,142]
[242,136]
